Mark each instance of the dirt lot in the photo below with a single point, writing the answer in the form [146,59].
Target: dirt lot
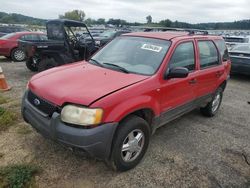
[191,151]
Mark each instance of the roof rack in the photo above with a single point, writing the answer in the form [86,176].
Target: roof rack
[189,31]
[196,32]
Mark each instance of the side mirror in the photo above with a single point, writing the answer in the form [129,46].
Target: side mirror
[176,72]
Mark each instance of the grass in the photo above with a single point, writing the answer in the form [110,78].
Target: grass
[24,130]
[7,118]
[3,100]
[18,176]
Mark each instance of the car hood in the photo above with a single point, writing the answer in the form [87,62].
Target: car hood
[80,83]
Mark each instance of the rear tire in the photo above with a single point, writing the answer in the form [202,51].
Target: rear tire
[47,63]
[130,143]
[18,55]
[212,107]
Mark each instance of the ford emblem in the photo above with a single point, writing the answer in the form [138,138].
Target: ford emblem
[37,102]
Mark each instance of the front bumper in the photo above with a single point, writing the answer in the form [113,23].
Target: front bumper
[95,141]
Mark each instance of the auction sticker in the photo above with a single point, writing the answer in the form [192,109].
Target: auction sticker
[151,47]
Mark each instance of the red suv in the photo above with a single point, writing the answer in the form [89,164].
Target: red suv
[110,105]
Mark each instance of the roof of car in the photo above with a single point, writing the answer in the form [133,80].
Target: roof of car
[28,32]
[66,22]
[169,35]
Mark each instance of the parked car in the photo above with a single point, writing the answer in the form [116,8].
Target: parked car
[4,30]
[66,44]
[110,105]
[107,36]
[231,41]
[240,57]
[9,44]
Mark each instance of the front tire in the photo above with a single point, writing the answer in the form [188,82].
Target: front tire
[212,107]
[130,143]
[18,55]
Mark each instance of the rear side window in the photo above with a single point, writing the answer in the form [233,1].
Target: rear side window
[30,37]
[208,54]
[183,56]
[223,49]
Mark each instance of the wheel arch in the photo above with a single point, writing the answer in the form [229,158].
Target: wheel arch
[145,113]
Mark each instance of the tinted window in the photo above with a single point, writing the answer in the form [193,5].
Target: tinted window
[30,37]
[183,56]
[234,39]
[55,31]
[208,54]
[223,49]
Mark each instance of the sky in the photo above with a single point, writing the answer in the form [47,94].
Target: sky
[191,11]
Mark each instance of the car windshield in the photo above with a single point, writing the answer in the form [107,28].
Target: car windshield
[242,48]
[134,54]
[7,36]
[107,34]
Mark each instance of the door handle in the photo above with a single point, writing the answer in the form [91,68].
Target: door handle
[192,81]
[218,73]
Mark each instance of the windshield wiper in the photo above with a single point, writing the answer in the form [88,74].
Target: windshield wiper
[117,66]
[96,62]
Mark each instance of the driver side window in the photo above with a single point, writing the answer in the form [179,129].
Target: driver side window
[183,56]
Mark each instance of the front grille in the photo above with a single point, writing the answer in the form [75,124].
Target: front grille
[41,104]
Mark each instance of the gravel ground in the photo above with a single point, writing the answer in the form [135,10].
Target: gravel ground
[192,151]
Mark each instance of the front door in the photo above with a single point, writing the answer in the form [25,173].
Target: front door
[177,94]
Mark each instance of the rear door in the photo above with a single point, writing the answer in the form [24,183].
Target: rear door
[177,94]
[211,68]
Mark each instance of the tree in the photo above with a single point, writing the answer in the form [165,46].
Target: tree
[100,21]
[149,19]
[77,15]
[166,23]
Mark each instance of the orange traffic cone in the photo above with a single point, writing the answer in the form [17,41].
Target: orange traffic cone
[3,84]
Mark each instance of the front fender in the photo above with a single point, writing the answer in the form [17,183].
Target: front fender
[128,106]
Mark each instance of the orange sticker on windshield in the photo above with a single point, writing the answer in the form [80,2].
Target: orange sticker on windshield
[151,47]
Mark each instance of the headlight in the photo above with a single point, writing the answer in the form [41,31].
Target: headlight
[80,115]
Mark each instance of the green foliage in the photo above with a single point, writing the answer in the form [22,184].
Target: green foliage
[2,110]
[149,19]
[3,100]
[7,118]
[17,176]
[117,22]
[77,15]
[243,24]
[20,19]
